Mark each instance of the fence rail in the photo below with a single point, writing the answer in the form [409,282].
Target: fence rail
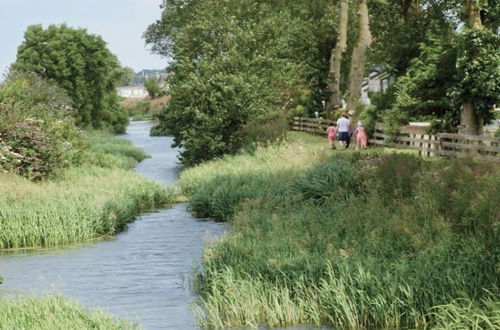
[416,138]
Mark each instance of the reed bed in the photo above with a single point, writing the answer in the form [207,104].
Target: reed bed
[55,312]
[85,202]
[349,239]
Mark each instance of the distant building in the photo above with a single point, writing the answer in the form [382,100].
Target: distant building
[377,81]
[141,76]
[132,92]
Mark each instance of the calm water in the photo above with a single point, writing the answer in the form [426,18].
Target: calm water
[141,273]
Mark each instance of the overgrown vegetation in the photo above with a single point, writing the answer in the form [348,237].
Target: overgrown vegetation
[352,240]
[54,312]
[231,73]
[246,62]
[38,137]
[144,109]
[96,199]
[81,64]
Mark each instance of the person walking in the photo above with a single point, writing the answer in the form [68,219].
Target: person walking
[361,136]
[332,133]
[343,129]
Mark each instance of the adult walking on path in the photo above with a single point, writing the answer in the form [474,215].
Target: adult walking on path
[343,129]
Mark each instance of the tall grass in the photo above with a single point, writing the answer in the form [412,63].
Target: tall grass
[84,203]
[104,150]
[54,312]
[352,239]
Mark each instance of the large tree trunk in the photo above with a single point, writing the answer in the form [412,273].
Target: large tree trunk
[471,123]
[335,100]
[358,60]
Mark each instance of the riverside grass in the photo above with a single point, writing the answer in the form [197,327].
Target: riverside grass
[87,202]
[55,312]
[348,239]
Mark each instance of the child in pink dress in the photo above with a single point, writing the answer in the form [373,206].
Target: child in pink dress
[361,137]
[332,134]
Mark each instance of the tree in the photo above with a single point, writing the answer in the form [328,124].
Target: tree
[81,64]
[153,87]
[335,100]
[477,66]
[123,75]
[237,65]
[358,59]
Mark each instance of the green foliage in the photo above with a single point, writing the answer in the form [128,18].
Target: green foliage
[421,94]
[233,65]
[103,150]
[123,76]
[98,198]
[338,180]
[55,312]
[159,130]
[153,88]
[393,176]
[478,72]
[81,64]
[38,137]
[414,245]
[400,27]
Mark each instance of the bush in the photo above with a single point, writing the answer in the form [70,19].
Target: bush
[37,132]
[159,130]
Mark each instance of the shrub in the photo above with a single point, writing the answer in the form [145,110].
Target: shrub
[159,130]
[37,131]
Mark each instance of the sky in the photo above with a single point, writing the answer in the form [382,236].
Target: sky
[120,23]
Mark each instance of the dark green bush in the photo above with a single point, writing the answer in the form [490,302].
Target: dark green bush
[159,130]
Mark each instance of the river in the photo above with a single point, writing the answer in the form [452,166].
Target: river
[143,272]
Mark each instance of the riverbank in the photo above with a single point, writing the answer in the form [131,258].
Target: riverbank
[366,239]
[55,313]
[155,253]
[90,201]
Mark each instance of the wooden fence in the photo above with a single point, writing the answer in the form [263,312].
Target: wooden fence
[416,138]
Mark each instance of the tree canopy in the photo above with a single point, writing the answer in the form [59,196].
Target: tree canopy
[236,63]
[81,64]
[239,63]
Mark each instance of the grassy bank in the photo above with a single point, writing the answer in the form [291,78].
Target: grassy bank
[349,239]
[55,313]
[86,202]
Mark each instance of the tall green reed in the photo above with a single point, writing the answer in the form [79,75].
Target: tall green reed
[55,312]
[353,239]
[93,200]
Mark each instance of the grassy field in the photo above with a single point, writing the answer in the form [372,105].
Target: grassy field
[368,239]
[86,202]
[57,313]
